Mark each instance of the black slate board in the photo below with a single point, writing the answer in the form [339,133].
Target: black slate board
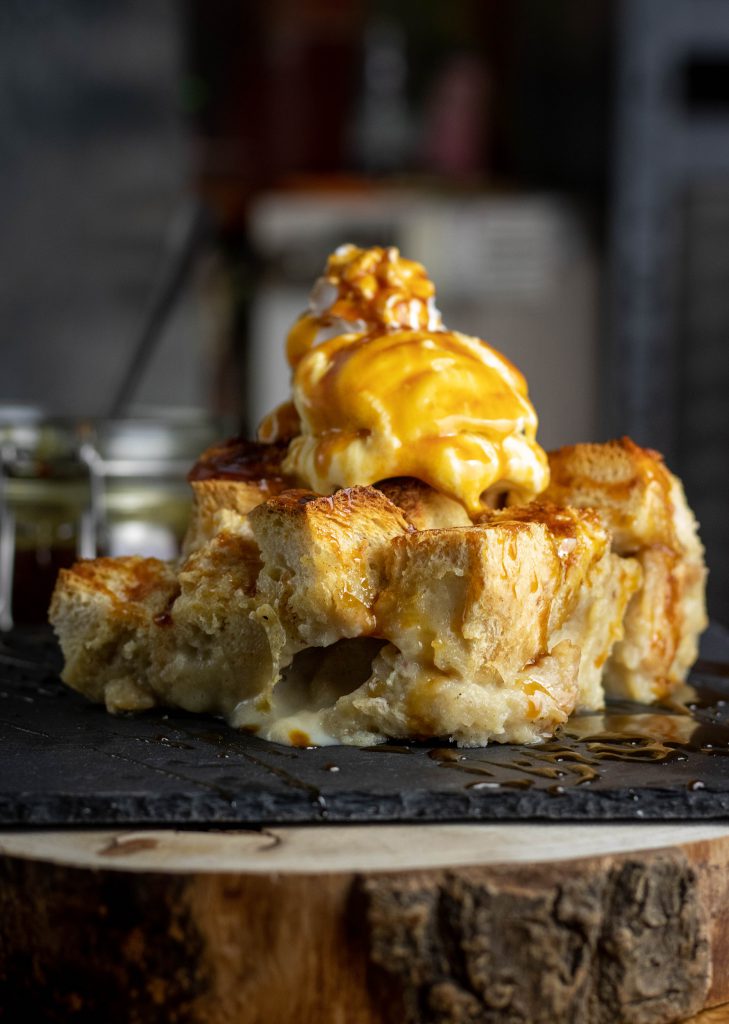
[64,761]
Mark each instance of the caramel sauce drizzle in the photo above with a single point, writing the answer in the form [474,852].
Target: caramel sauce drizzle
[697,727]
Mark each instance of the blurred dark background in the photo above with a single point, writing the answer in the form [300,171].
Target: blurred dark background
[173,175]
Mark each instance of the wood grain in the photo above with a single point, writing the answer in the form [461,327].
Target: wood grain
[719,1015]
[422,924]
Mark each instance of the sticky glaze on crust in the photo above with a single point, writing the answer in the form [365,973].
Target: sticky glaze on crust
[645,507]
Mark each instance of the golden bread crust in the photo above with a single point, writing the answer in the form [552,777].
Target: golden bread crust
[630,485]
[423,507]
[645,507]
[234,476]
[210,498]
[323,560]
[383,611]
[246,461]
[102,611]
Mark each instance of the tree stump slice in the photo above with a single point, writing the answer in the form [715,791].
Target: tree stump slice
[431,924]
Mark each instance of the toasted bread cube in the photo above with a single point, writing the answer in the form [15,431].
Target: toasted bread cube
[645,507]
[323,559]
[211,499]
[499,596]
[640,499]
[212,651]
[102,612]
[234,476]
[597,587]
[471,600]
[135,633]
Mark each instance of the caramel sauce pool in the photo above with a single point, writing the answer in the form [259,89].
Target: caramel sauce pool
[690,729]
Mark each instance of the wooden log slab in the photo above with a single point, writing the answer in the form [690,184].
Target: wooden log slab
[432,924]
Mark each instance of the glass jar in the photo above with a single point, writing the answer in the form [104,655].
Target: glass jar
[140,477]
[46,514]
[77,490]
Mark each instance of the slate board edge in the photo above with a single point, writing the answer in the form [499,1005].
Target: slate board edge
[266,810]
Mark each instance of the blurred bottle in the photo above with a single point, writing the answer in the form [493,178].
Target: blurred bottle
[456,119]
[384,131]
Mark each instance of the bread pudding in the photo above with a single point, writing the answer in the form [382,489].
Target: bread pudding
[396,556]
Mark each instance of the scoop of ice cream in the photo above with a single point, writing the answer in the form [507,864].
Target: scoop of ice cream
[381,389]
[438,406]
